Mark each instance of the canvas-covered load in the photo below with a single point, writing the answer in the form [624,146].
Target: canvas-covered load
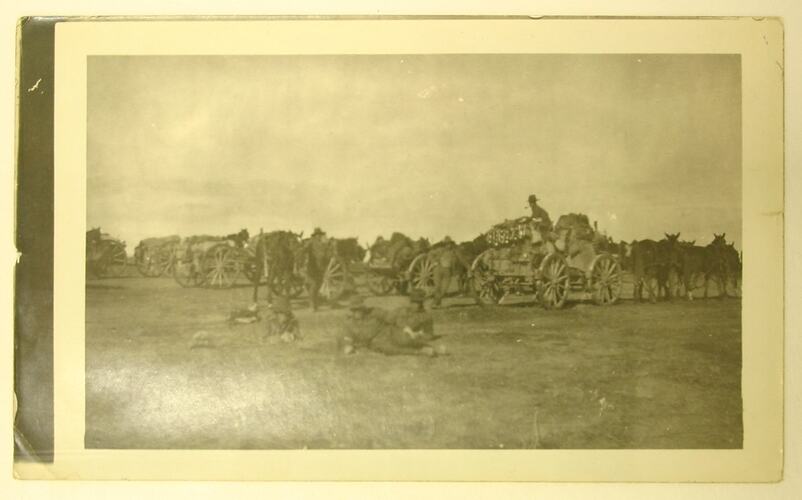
[578,225]
[512,232]
[397,252]
[201,238]
[161,241]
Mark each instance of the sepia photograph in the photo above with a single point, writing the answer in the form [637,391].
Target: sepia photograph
[414,251]
[401,249]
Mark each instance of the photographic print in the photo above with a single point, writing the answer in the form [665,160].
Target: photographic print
[414,251]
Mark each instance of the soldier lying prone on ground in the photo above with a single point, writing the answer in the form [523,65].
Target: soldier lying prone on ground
[281,321]
[405,331]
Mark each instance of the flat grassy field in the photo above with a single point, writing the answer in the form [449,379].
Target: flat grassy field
[664,375]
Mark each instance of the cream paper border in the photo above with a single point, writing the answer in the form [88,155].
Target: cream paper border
[760,46]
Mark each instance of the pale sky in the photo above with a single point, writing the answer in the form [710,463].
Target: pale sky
[430,145]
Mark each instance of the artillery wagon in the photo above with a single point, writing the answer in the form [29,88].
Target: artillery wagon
[212,261]
[394,264]
[522,259]
[154,256]
[105,255]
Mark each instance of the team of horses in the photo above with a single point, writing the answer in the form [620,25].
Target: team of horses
[659,268]
[655,265]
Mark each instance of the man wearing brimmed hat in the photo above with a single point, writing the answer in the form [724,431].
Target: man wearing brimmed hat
[386,333]
[539,214]
[281,321]
[318,233]
[362,325]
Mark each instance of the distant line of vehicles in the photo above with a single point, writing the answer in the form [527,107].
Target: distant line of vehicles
[514,257]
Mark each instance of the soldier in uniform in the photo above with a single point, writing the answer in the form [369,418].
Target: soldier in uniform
[318,255]
[542,223]
[319,235]
[540,216]
[281,321]
[411,331]
[362,325]
[405,331]
[444,269]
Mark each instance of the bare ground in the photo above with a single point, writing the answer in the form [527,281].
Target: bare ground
[632,375]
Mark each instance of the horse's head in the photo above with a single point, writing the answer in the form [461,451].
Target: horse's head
[669,249]
[672,238]
[719,239]
[93,235]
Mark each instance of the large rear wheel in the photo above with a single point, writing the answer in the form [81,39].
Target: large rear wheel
[334,279]
[483,282]
[605,280]
[553,284]
[421,273]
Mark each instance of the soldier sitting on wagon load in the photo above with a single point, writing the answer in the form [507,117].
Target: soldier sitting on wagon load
[540,217]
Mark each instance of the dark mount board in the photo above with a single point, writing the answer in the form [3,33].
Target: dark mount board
[33,287]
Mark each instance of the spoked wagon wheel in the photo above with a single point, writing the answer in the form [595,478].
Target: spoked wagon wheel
[144,264]
[156,263]
[186,271]
[115,260]
[379,284]
[553,286]
[334,279]
[291,287]
[186,275]
[221,267]
[421,273]
[605,280]
[165,262]
[483,283]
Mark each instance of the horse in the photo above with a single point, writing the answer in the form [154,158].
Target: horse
[718,263]
[693,262]
[275,259]
[734,264]
[669,255]
[643,259]
[94,235]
